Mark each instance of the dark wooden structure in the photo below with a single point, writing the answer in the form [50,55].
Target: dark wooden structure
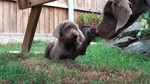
[33,20]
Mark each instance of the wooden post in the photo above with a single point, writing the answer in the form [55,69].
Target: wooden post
[70,10]
[31,27]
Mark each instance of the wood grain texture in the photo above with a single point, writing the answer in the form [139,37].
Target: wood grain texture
[38,26]
[13,17]
[31,27]
[51,22]
[42,21]
[25,17]
[47,20]
[60,16]
[1,16]
[19,21]
[55,18]
[16,20]
[6,17]
[30,3]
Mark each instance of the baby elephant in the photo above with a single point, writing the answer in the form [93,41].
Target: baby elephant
[71,43]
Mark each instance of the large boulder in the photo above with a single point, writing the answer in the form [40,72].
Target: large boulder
[131,31]
[123,42]
[134,27]
[127,37]
[140,47]
[128,40]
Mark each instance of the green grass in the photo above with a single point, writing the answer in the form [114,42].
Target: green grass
[102,64]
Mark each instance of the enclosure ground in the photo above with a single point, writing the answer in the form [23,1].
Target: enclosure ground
[101,64]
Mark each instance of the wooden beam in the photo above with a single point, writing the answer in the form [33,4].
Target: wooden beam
[30,3]
[87,10]
[31,27]
[70,10]
[58,5]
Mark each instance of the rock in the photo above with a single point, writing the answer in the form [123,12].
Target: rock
[131,31]
[135,26]
[123,42]
[128,36]
[140,47]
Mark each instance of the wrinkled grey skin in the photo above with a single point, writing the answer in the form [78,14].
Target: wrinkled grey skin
[118,15]
[71,43]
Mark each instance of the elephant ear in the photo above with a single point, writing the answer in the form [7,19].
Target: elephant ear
[122,12]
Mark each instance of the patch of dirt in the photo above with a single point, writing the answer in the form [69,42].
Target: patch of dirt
[17,57]
[74,76]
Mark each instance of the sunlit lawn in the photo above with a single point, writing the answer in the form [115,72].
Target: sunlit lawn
[102,64]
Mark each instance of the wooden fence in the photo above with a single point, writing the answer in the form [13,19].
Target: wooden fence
[13,20]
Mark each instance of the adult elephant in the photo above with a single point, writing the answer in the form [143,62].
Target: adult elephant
[120,14]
